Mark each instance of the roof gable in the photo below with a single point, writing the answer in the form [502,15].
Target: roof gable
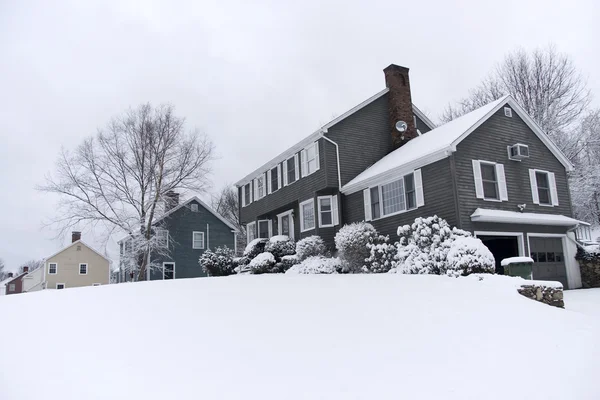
[203,204]
[440,142]
[82,243]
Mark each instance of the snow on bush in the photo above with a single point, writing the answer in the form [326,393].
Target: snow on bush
[286,263]
[317,265]
[262,263]
[351,242]
[468,255]
[255,247]
[382,256]
[281,246]
[218,263]
[309,247]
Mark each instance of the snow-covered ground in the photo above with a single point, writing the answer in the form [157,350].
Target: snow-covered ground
[299,337]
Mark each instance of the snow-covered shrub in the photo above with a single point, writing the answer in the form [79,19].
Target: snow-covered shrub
[281,246]
[218,263]
[351,242]
[240,264]
[382,256]
[255,247]
[317,265]
[286,263]
[262,263]
[468,255]
[309,247]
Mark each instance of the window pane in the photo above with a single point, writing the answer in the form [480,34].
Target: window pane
[411,195]
[308,215]
[544,195]
[263,229]
[490,190]
[375,210]
[83,269]
[274,180]
[393,197]
[247,194]
[326,217]
[488,172]
[291,170]
[541,257]
[559,257]
[311,166]
[285,225]
[325,204]
[550,257]
[534,256]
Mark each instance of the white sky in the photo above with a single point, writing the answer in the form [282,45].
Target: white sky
[255,76]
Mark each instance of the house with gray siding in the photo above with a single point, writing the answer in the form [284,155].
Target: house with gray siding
[186,231]
[492,172]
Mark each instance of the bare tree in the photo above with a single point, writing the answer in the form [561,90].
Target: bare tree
[120,178]
[3,273]
[226,203]
[32,265]
[544,82]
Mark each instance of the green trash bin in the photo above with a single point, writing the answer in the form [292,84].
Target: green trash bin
[518,266]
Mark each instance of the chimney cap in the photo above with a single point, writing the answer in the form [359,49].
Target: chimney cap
[396,67]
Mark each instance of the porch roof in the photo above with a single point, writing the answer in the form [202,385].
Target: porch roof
[513,217]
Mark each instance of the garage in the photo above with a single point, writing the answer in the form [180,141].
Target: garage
[549,259]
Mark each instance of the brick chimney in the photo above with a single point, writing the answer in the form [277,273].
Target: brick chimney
[25,270]
[10,274]
[171,200]
[75,236]
[399,104]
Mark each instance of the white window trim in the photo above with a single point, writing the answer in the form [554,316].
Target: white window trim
[56,270]
[63,285]
[334,211]
[250,187]
[286,181]
[481,162]
[194,242]
[508,112]
[269,228]
[289,213]
[304,161]
[518,235]
[379,190]
[165,230]
[87,266]
[552,189]
[163,269]
[309,201]
[251,226]
[501,187]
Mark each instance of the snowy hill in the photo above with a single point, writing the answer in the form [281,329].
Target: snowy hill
[296,337]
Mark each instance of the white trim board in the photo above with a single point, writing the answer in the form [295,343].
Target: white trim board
[518,235]
[163,269]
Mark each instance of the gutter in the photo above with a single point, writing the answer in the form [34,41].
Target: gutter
[337,155]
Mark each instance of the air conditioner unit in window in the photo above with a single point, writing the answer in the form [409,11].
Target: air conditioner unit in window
[518,152]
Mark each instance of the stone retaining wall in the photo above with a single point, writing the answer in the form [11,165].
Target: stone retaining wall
[590,273]
[544,294]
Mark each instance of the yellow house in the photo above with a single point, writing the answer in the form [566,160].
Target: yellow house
[76,265]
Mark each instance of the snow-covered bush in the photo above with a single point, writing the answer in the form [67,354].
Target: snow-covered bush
[286,263]
[468,255]
[317,265]
[351,242]
[262,263]
[240,264]
[219,262]
[382,256]
[281,246]
[309,247]
[255,247]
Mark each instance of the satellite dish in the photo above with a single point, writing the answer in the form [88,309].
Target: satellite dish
[401,126]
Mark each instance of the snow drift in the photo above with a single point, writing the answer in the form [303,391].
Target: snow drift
[377,336]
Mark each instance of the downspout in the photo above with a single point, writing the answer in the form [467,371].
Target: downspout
[337,155]
[207,237]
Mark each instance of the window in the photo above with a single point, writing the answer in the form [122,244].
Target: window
[83,269]
[264,229]
[290,168]
[259,187]
[246,194]
[375,206]
[310,159]
[52,268]
[60,285]
[392,196]
[543,187]
[11,287]
[307,215]
[162,237]
[194,207]
[490,182]
[168,270]
[285,224]
[251,231]
[197,240]
[274,179]
[411,193]
[328,211]
[507,112]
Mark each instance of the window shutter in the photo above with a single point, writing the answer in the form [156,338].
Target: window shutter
[317,155]
[302,163]
[278,176]
[502,190]
[296,166]
[255,189]
[269,182]
[419,188]
[334,210]
[367,200]
[251,187]
[553,191]
[270,227]
[478,181]
[243,195]
[534,191]
[264,184]
[285,179]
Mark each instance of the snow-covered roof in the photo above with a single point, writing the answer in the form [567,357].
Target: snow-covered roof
[514,217]
[439,143]
[79,242]
[319,133]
